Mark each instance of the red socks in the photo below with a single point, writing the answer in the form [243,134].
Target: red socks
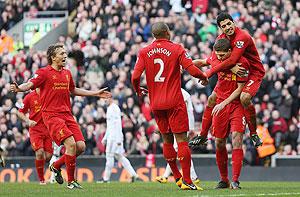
[206,121]
[39,166]
[250,115]
[237,163]
[70,162]
[60,162]
[171,156]
[184,157]
[222,162]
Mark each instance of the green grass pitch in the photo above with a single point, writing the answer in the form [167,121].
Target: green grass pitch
[141,189]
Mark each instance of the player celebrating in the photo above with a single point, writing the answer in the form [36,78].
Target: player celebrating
[113,139]
[242,45]
[161,60]
[190,112]
[228,115]
[39,136]
[56,84]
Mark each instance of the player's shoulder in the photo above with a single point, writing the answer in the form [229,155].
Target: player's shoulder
[242,34]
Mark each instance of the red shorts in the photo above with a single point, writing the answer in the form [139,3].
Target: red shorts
[61,126]
[40,138]
[252,85]
[230,119]
[173,120]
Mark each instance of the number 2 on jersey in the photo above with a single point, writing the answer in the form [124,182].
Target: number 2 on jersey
[158,77]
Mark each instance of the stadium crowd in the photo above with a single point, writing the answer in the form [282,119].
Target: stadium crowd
[103,46]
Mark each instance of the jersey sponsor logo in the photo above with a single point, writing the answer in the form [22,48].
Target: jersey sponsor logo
[239,44]
[54,77]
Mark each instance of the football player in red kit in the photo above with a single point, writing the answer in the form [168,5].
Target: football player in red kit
[161,62]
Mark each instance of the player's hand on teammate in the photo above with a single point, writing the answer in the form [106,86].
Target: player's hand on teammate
[218,108]
[143,91]
[14,87]
[31,123]
[102,93]
[239,71]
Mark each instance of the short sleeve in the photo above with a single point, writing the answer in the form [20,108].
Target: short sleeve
[185,59]
[39,78]
[140,64]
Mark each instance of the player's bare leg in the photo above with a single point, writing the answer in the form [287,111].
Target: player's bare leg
[70,161]
[222,163]
[80,147]
[184,157]
[250,115]
[206,122]
[237,159]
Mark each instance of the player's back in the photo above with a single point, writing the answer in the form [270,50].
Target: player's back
[242,39]
[162,66]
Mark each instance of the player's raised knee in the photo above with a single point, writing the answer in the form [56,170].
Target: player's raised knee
[245,99]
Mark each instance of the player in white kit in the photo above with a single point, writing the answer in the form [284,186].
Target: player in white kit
[113,139]
[190,110]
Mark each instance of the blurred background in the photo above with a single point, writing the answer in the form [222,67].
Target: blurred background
[103,37]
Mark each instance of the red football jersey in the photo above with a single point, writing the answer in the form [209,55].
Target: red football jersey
[32,104]
[242,45]
[161,60]
[55,87]
[227,81]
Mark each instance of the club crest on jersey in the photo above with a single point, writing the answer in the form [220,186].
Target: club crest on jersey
[239,44]
[187,55]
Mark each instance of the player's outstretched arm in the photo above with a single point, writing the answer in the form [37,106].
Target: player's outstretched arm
[23,117]
[235,94]
[237,53]
[14,87]
[102,93]
[200,62]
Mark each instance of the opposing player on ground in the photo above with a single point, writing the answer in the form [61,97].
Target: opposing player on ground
[190,111]
[56,84]
[113,139]
[40,139]
[242,45]
[161,62]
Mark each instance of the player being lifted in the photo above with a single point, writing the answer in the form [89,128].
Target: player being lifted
[161,61]
[242,44]
[39,136]
[56,84]
[228,114]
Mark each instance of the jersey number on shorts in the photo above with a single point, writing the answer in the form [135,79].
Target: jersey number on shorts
[250,82]
[158,77]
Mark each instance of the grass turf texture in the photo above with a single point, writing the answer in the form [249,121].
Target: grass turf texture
[141,189]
